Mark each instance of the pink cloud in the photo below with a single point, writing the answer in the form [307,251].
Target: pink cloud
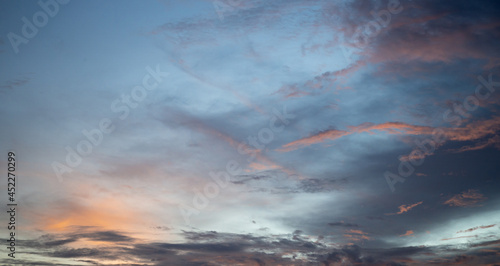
[389,127]
[493,141]
[476,228]
[408,233]
[466,199]
[406,208]
[470,132]
[356,235]
[318,138]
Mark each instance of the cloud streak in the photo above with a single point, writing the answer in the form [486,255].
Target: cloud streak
[467,198]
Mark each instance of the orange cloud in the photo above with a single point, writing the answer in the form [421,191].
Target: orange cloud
[356,231]
[389,127]
[475,130]
[470,132]
[392,128]
[356,235]
[493,141]
[406,208]
[475,228]
[413,156]
[109,214]
[318,138]
[408,233]
[466,199]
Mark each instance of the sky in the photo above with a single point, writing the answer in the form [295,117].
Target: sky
[250,132]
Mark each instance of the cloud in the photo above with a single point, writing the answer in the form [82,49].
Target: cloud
[356,235]
[408,233]
[75,234]
[473,131]
[244,179]
[458,237]
[467,198]
[314,185]
[343,224]
[277,182]
[428,32]
[13,83]
[317,138]
[429,52]
[487,243]
[490,142]
[212,247]
[107,236]
[186,119]
[389,127]
[406,208]
[476,228]
[77,253]
[321,84]
[112,212]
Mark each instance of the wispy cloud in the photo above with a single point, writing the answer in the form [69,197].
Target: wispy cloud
[343,224]
[476,228]
[467,198]
[356,235]
[389,127]
[472,131]
[14,83]
[406,208]
[408,233]
[458,237]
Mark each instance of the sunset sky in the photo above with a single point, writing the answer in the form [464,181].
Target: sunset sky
[251,132]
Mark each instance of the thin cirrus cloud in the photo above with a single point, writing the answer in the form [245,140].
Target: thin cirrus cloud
[389,127]
[473,131]
[476,228]
[467,198]
[408,233]
[356,235]
[405,208]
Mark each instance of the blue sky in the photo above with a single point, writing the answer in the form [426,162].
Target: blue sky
[252,132]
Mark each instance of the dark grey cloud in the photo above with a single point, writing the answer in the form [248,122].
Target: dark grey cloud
[315,185]
[243,179]
[107,236]
[76,253]
[60,242]
[209,247]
